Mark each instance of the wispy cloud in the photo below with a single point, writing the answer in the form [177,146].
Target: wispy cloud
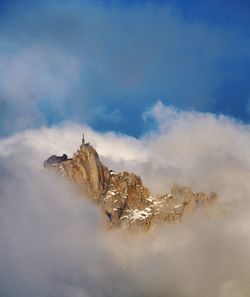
[111,57]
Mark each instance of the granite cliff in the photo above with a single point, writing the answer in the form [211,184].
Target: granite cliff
[123,198]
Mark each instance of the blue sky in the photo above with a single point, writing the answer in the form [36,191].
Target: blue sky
[105,63]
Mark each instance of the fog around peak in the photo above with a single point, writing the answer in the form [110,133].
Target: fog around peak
[54,242]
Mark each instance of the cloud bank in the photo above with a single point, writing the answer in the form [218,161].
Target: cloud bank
[53,243]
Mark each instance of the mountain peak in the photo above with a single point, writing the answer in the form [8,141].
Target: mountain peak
[125,201]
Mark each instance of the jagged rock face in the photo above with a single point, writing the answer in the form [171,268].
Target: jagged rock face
[125,192]
[124,199]
[86,170]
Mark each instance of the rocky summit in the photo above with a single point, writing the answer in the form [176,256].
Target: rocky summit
[123,198]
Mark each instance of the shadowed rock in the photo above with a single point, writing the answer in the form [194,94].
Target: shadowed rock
[55,160]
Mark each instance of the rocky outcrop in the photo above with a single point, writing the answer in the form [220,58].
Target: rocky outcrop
[55,160]
[125,193]
[125,201]
[86,169]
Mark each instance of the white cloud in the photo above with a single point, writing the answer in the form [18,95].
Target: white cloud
[31,77]
[53,243]
[37,71]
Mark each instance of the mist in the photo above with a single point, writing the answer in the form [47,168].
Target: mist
[54,243]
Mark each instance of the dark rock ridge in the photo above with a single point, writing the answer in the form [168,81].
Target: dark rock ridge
[125,201]
[55,160]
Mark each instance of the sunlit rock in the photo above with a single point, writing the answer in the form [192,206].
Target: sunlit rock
[123,198]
